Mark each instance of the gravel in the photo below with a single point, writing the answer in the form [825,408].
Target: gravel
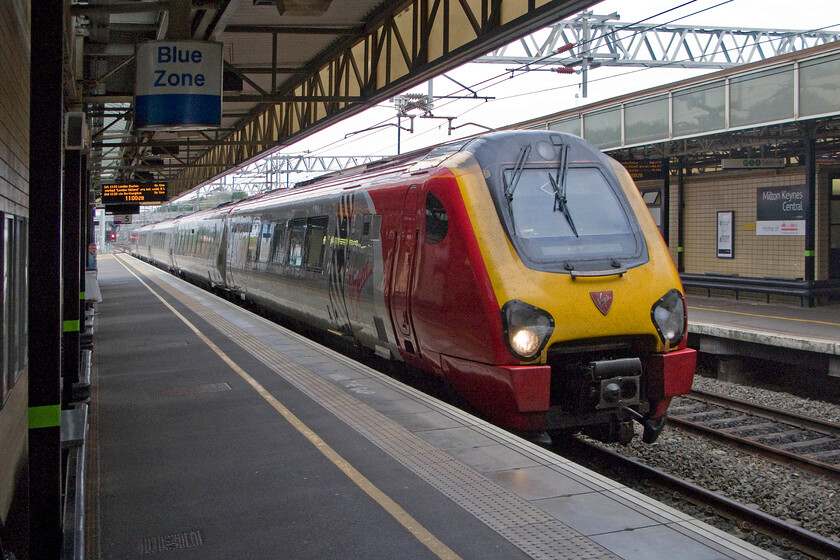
[809,501]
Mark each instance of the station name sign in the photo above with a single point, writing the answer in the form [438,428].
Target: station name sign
[781,210]
[753,163]
[133,193]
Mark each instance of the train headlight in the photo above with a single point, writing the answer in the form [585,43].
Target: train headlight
[527,328]
[668,315]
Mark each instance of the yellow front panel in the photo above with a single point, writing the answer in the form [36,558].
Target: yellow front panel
[569,301]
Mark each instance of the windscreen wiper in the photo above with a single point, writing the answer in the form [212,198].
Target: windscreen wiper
[517,171]
[560,203]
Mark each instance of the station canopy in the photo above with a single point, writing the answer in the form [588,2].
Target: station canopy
[289,68]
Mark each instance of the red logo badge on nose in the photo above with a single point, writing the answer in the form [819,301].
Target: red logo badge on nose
[602,300]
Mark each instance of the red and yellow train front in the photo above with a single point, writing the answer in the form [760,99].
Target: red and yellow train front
[544,292]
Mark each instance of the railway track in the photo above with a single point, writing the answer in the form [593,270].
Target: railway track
[748,518]
[807,443]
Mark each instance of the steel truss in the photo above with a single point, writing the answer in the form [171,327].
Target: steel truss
[404,45]
[596,40]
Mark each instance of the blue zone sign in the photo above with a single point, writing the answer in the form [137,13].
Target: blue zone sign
[179,85]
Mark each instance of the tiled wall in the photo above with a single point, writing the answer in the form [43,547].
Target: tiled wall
[754,255]
[14,107]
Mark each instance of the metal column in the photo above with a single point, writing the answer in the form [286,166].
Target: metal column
[45,157]
[680,214]
[811,216]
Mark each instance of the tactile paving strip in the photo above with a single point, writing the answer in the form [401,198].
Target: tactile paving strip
[529,528]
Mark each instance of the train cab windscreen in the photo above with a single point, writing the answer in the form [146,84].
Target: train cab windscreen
[586,218]
[576,218]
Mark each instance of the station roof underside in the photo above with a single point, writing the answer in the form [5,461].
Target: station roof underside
[291,67]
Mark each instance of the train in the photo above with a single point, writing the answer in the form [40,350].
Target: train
[521,268]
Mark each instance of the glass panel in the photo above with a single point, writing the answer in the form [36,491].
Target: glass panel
[5,237]
[570,126]
[265,242]
[437,221]
[316,242]
[23,270]
[656,212]
[819,86]
[594,211]
[253,240]
[761,97]
[835,187]
[11,320]
[651,197]
[603,129]
[835,237]
[835,212]
[278,255]
[297,234]
[646,120]
[699,109]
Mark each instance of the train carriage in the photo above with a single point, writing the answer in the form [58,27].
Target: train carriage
[521,267]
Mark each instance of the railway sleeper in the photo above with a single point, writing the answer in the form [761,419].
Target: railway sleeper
[787,434]
[705,416]
[822,455]
[795,445]
[739,429]
[681,408]
[735,421]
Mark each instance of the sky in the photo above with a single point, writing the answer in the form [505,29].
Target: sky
[535,94]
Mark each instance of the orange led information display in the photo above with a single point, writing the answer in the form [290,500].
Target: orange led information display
[138,193]
[645,169]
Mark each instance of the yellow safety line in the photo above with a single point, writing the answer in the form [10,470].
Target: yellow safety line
[765,316]
[393,508]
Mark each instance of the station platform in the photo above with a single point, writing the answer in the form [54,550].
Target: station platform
[809,336]
[218,434]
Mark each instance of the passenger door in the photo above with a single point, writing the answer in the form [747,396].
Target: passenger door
[403,272]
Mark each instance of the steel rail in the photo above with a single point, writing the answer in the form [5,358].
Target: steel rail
[746,517]
[800,420]
[784,456]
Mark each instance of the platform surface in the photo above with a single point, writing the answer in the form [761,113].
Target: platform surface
[812,329]
[217,434]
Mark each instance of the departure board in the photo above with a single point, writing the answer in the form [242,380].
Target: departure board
[135,193]
[645,169]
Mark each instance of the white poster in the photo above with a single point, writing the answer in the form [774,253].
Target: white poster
[724,235]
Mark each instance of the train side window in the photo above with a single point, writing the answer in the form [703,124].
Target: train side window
[278,244]
[437,220]
[253,240]
[265,242]
[202,241]
[375,226]
[316,241]
[297,238]
[371,225]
